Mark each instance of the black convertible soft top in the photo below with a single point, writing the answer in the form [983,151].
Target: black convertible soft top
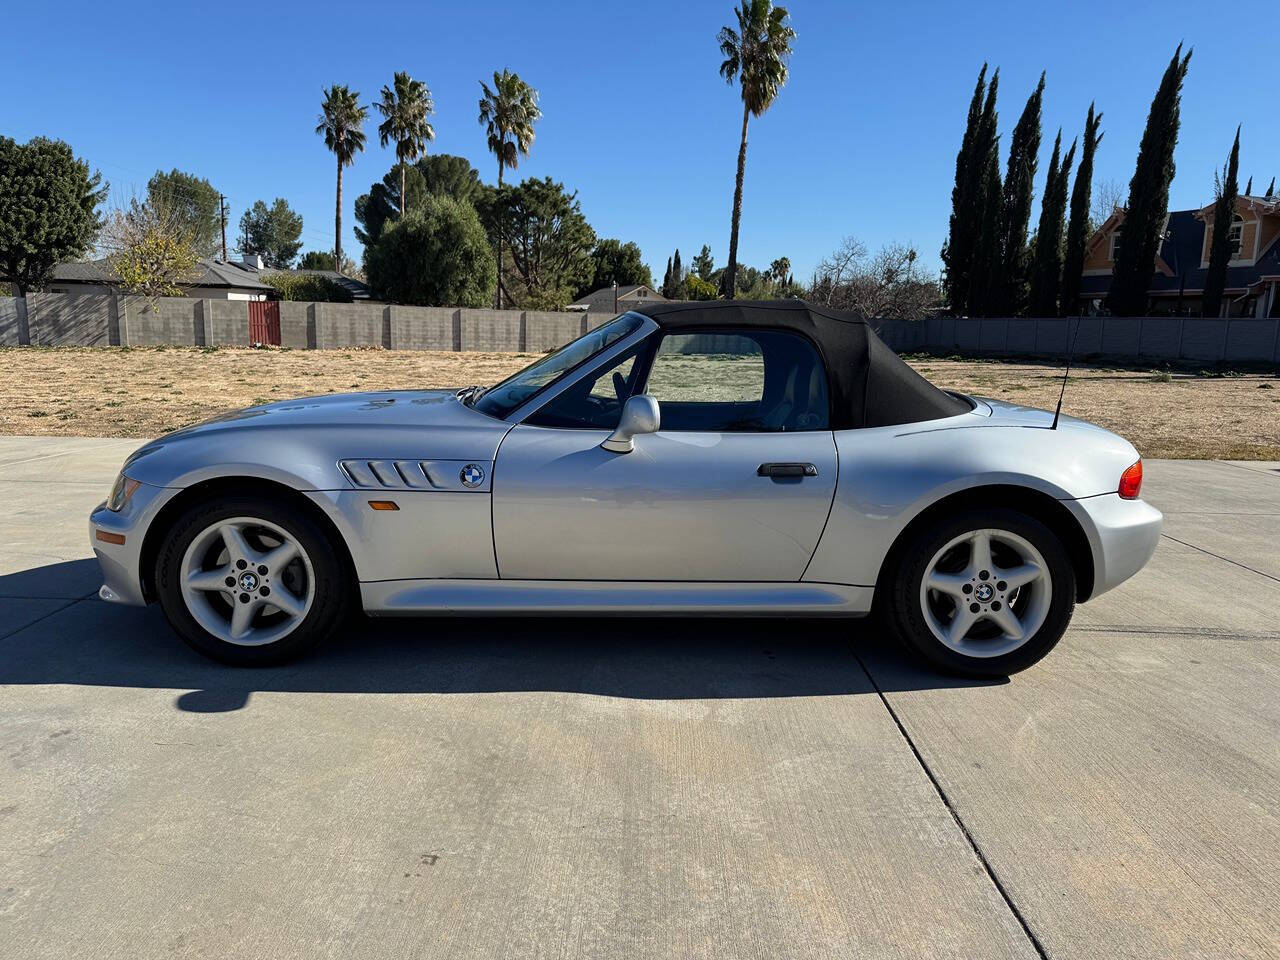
[870,385]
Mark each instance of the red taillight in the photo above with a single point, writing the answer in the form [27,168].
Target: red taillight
[1131,482]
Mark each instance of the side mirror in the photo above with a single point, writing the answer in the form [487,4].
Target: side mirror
[639,415]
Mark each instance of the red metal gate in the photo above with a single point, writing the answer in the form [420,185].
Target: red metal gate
[264,322]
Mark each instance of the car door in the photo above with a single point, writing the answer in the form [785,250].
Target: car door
[736,485]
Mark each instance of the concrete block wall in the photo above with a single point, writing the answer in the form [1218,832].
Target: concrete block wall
[425,328]
[61,320]
[169,320]
[491,330]
[12,321]
[227,323]
[545,331]
[297,325]
[352,325]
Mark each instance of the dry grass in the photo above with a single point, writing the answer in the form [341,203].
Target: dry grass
[143,392]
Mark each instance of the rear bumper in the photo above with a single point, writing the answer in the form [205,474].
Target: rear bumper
[1122,536]
[121,563]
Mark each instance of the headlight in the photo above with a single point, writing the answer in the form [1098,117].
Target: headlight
[121,491]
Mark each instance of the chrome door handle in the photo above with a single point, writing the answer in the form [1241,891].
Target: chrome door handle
[786,470]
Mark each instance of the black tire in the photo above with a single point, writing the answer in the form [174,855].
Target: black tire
[906,617]
[334,584]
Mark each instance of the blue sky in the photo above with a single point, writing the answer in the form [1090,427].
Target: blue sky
[862,140]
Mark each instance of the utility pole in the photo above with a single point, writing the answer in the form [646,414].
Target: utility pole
[222,210]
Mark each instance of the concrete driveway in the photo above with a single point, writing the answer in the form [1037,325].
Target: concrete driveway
[613,788]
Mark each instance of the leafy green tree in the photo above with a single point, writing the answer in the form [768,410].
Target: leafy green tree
[695,288]
[440,174]
[341,124]
[1224,211]
[616,262]
[704,264]
[405,107]
[549,239]
[959,250]
[48,209]
[755,55]
[779,270]
[508,111]
[317,260]
[274,233]
[1149,194]
[1024,149]
[987,249]
[437,255]
[192,201]
[1078,226]
[1046,274]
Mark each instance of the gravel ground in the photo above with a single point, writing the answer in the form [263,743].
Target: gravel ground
[146,391]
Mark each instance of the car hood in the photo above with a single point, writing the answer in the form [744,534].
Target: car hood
[300,441]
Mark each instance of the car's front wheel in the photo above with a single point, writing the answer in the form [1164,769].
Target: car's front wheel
[251,580]
[987,593]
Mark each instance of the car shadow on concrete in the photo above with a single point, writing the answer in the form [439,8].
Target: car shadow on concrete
[92,642]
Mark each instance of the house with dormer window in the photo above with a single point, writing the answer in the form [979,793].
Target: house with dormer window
[1182,264]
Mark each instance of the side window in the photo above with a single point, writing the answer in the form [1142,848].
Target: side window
[749,381]
[594,402]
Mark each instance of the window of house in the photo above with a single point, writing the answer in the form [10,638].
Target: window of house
[1235,236]
[1116,238]
[756,381]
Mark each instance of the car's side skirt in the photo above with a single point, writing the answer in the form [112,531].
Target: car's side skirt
[598,597]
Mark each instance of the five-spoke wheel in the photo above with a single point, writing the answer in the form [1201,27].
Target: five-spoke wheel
[251,580]
[983,594]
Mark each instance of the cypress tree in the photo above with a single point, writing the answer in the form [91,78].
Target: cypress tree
[957,252]
[1046,273]
[1224,209]
[666,281]
[984,275]
[677,274]
[1024,149]
[1271,189]
[1149,194]
[1248,187]
[1078,227]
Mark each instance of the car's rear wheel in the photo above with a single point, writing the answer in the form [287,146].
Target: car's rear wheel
[984,594]
[251,580]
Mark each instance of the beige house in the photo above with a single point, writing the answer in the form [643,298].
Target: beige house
[613,300]
[1182,264]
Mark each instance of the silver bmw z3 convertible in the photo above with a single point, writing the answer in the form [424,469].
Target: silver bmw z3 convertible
[739,459]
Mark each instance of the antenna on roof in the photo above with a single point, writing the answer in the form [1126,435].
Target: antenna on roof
[1071,346]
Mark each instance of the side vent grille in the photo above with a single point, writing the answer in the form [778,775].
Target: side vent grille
[413,474]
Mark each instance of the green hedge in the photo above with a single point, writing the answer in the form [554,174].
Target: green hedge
[304,286]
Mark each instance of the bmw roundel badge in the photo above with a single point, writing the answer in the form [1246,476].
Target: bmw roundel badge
[472,475]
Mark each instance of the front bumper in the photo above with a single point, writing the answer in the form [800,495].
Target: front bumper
[122,562]
[1122,536]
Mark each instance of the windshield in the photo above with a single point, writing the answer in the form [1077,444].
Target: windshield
[499,401]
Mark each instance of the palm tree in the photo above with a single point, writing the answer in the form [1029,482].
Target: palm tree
[755,55]
[406,109]
[509,112]
[342,125]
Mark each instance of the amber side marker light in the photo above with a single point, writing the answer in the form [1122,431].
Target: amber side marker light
[384,505]
[106,537]
[1131,482]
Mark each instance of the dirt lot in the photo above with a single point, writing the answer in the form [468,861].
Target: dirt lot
[142,392]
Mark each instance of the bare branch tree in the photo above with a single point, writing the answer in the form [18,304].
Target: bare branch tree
[886,287]
[150,248]
[1107,195]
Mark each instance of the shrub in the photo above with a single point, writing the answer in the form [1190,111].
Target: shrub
[436,256]
[306,286]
